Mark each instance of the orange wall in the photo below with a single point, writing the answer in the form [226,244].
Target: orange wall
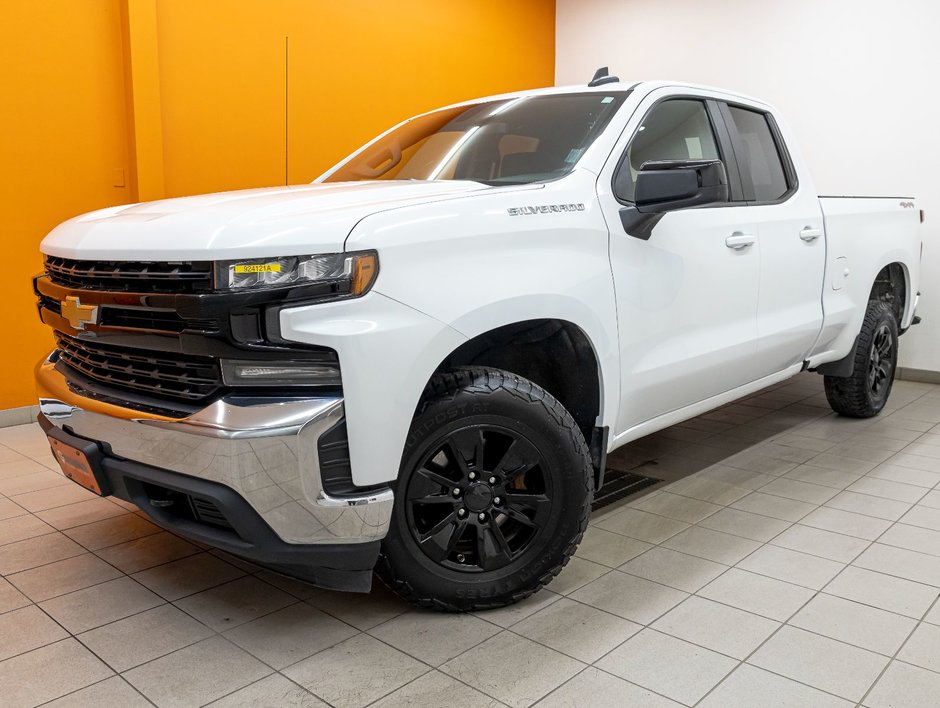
[62,136]
[355,68]
[210,105]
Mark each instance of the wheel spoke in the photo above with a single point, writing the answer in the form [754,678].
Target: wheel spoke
[536,502]
[519,457]
[441,538]
[435,477]
[433,499]
[492,547]
[519,517]
[466,450]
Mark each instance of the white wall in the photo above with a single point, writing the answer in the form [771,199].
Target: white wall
[856,80]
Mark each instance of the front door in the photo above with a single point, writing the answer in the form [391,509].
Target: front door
[687,297]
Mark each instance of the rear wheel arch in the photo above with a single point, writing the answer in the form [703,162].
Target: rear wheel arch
[892,286]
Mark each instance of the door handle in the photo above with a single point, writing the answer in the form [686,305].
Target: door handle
[810,234]
[737,241]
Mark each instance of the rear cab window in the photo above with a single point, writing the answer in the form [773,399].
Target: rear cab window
[761,159]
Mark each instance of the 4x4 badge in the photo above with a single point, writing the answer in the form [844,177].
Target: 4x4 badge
[77,314]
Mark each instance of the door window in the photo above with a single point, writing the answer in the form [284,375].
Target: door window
[760,154]
[677,129]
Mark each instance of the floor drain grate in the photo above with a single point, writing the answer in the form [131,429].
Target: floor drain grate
[619,485]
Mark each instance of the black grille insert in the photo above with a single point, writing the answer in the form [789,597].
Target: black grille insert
[151,319]
[132,276]
[335,468]
[177,377]
[208,513]
[186,506]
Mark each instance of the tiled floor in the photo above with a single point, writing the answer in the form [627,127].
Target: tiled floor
[789,558]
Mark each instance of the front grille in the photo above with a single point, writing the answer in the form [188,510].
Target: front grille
[169,376]
[131,276]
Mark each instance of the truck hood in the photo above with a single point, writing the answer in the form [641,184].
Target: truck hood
[292,220]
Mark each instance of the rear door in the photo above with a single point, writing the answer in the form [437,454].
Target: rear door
[792,243]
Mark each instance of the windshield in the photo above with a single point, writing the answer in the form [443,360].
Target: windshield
[511,141]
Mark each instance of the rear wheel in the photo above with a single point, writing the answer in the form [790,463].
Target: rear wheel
[493,495]
[865,392]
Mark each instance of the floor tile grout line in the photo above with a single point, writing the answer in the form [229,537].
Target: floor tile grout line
[894,657]
[62,482]
[122,572]
[751,491]
[430,668]
[162,604]
[103,560]
[619,678]
[264,678]
[762,644]
[107,678]
[82,645]
[78,637]
[730,506]
[786,623]
[822,591]
[426,673]
[29,538]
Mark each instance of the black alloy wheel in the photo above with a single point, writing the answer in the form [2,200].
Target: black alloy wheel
[881,361]
[493,494]
[865,392]
[478,499]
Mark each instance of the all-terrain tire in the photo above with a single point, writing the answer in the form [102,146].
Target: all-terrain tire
[865,392]
[504,449]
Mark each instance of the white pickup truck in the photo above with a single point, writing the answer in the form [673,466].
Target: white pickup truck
[418,363]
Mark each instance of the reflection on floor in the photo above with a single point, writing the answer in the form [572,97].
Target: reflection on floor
[787,556]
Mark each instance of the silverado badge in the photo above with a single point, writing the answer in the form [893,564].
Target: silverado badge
[77,314]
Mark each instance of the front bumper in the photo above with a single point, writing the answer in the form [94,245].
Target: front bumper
[264,451]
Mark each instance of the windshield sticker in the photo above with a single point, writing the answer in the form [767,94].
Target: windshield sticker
[607,99]
[544,209]
[574,154]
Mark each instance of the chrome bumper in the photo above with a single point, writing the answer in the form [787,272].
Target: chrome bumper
[266,451]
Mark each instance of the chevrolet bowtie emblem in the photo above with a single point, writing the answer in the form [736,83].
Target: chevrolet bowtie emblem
[78,314]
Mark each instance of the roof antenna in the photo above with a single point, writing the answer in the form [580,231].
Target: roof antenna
[602,76]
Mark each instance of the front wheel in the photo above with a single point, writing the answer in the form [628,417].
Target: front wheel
[493,495]
[865,392]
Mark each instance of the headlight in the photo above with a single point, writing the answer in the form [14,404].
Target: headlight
[350,273]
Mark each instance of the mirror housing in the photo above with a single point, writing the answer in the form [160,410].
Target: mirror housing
[669,185]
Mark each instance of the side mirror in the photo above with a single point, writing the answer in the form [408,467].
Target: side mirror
[668,185]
